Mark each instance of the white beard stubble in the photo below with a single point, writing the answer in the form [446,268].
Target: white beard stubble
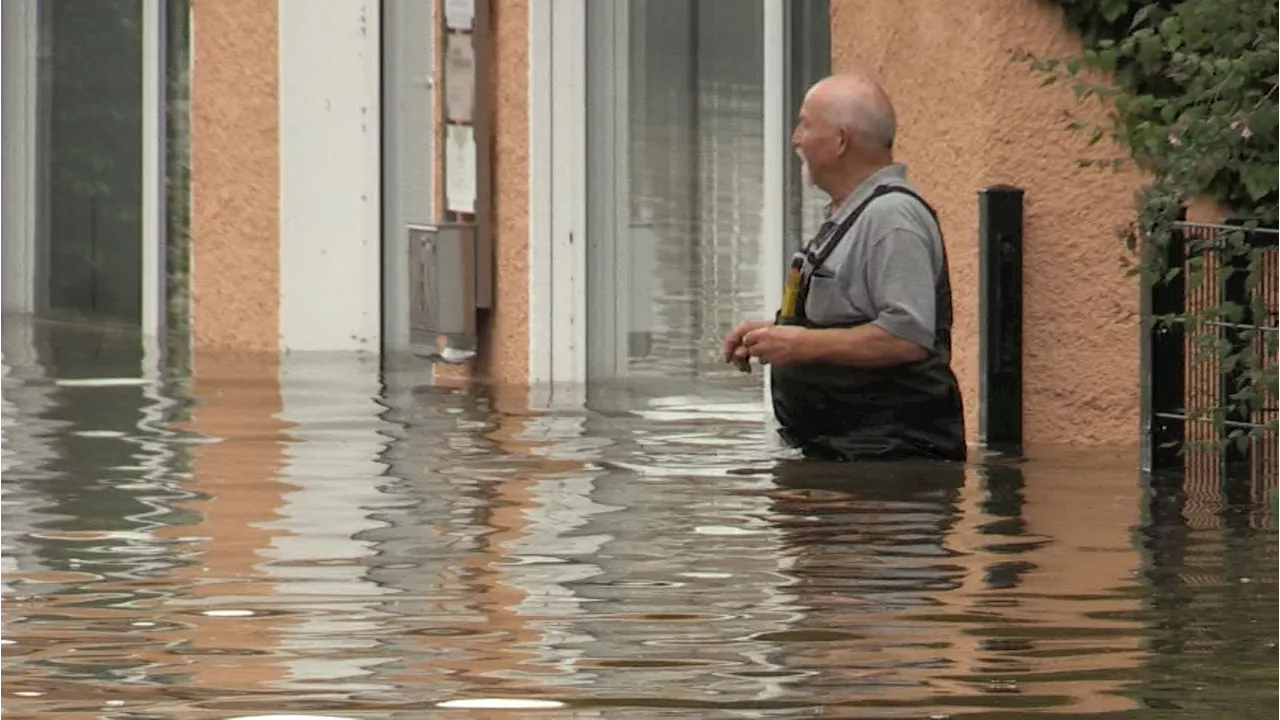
[805,175]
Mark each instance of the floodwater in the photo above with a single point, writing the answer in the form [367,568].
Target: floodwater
[317,539]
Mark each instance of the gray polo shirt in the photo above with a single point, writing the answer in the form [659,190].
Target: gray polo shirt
[886,267]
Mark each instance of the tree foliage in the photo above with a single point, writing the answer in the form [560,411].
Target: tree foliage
[1189,89]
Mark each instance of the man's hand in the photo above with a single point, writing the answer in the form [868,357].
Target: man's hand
[778,344]
[734,351]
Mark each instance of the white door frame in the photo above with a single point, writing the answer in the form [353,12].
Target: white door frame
[154,165]
[155,205]
[558,331]
[776,142]
[20,29]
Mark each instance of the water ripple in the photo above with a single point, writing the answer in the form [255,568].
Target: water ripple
[323,540]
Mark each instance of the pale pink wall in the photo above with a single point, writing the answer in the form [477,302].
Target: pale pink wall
[235,170]
[508,332]
[971,116]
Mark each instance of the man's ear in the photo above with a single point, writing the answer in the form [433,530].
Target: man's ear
[846,142]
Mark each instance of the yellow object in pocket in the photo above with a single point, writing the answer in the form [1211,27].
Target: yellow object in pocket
[791,290]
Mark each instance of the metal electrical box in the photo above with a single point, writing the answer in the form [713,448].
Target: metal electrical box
[443,290]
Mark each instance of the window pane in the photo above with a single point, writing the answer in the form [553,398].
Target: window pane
[91,87]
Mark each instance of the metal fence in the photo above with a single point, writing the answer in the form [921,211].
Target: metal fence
[1194,422]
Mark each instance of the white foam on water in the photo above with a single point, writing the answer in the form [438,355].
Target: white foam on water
[28,693]
[707,575]
[100,433]
[500,704]
[102,382]
[230,614]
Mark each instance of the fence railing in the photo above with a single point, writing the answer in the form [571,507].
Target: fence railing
[1220,291]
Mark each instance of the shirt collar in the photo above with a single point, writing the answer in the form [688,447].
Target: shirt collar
[893,174]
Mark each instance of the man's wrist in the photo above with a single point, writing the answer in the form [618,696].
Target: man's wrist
[809,346]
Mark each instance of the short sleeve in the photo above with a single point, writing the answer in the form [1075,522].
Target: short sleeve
[901,282]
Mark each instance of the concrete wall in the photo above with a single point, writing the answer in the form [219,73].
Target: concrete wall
[971,116]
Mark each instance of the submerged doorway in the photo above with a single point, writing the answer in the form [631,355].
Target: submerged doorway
[660,134]
[675,196]
[692,199]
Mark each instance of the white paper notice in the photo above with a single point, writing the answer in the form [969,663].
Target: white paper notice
[460,169]
[459,78]
[459,14]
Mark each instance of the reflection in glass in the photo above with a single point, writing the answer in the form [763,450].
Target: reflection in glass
[808,61]
[91,88]
[88,147]
[678,266]
[177,236]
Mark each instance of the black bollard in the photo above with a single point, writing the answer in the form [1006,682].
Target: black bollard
[1000,318]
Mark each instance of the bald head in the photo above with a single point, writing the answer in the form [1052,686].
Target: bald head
[844,133]
[857,103]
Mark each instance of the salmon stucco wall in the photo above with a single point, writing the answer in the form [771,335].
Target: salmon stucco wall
[507,333]
[235,149]
[971,116]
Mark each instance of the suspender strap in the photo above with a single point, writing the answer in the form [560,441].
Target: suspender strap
[816,259]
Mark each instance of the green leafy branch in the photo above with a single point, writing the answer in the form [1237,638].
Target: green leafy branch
[1188,91]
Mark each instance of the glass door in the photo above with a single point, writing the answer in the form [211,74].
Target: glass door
[95,161]
[91,92]
[694,195]
[675,200]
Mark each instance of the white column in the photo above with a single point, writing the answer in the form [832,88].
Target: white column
[330,166]
[557,191]
[569,130]
[775,153]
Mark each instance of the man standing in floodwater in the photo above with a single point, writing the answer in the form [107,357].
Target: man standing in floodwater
[861,346]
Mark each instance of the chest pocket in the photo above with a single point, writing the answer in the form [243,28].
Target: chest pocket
[824,287]
[827,300]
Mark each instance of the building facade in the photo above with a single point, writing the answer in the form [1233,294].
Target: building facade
[244,173]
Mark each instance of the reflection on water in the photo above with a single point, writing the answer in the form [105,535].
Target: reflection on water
[314,539]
